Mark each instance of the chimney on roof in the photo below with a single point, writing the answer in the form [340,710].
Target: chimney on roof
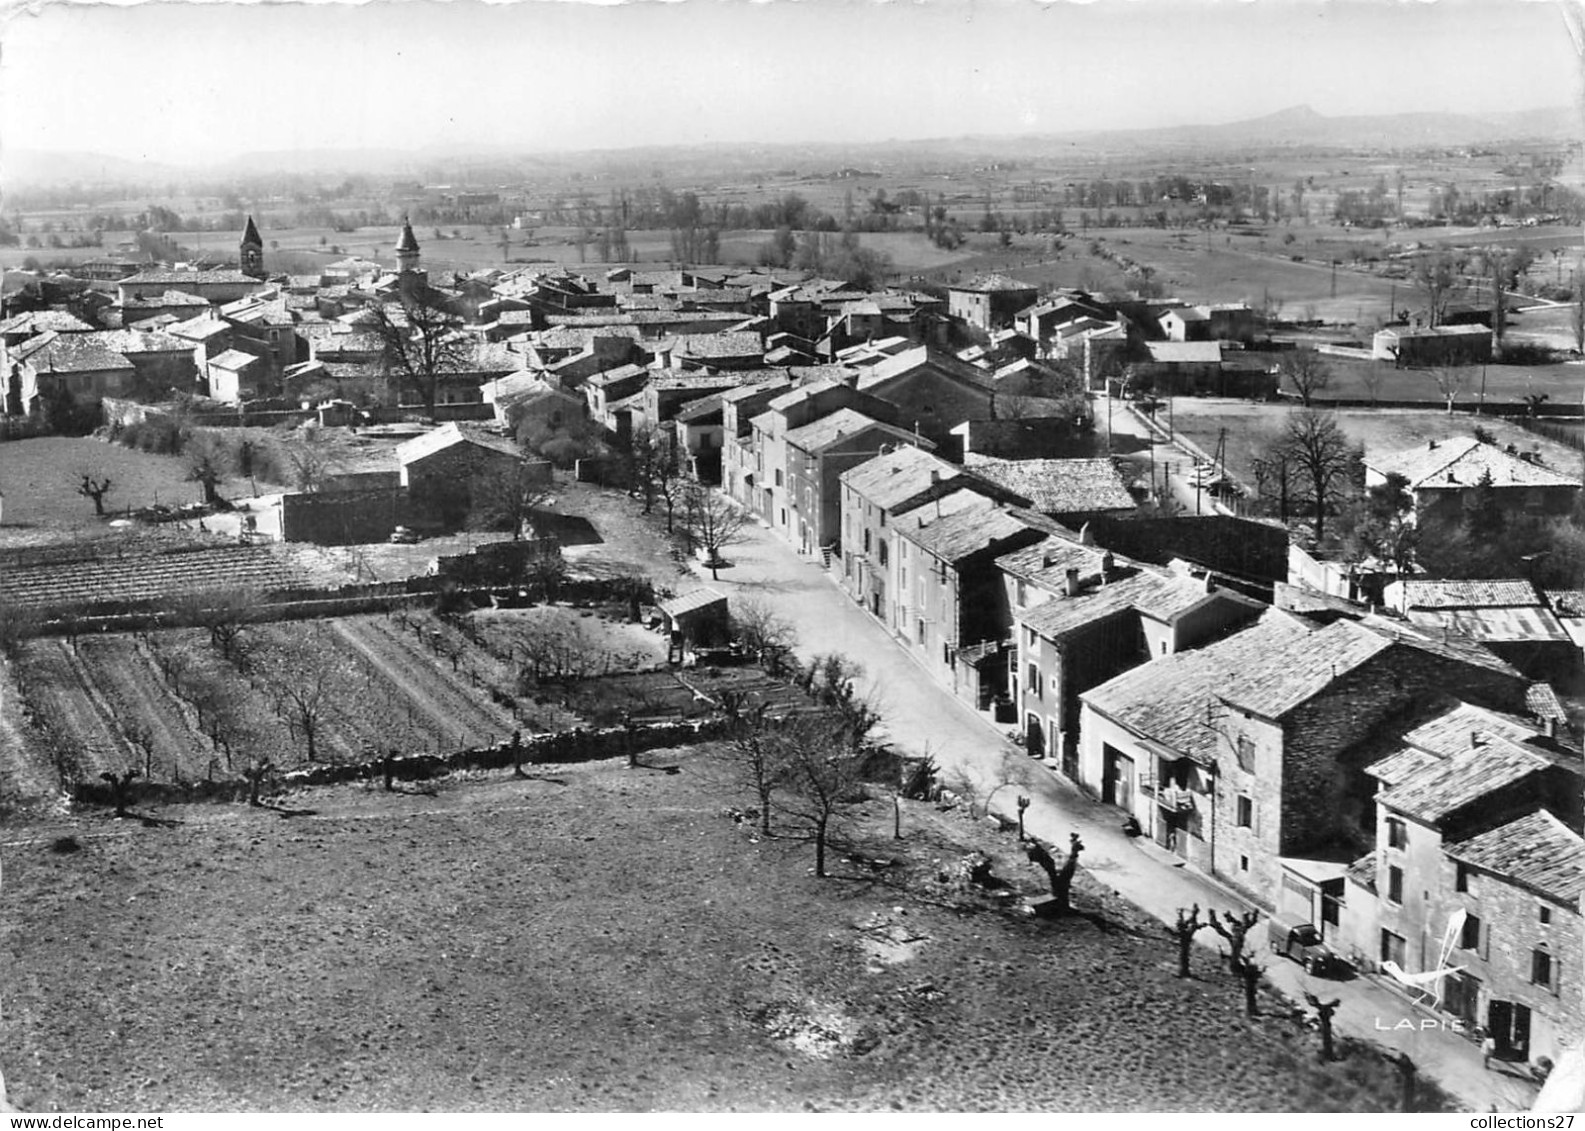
[1071,584]
[1476,739]
[1430,445]
[1108,567]
[1549,726]
[1086,538]
[1210,582]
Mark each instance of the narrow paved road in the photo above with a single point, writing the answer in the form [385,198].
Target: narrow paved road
[922,716]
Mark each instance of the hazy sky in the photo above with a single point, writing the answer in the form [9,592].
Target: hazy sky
[188,82]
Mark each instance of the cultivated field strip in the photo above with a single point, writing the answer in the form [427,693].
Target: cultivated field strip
[136,577]
[425,680]
[140,699]
[81,717]
[24,769]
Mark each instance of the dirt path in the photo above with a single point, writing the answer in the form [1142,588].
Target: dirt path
[90,724]
[453,709]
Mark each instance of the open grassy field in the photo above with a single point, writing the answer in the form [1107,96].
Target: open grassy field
[1250,427]
[40,476]
[601,938]
[1503,387]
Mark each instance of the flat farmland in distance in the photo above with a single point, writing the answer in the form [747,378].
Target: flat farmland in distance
[1506,386]
[1251,426]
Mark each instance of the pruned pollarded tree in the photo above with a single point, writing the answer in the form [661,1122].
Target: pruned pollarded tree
[95,486]
[1306,372]
[506,497]
[422,341]
[1060,878]
[1183,932]
[1323,1016]
[713,523]
[1234,927]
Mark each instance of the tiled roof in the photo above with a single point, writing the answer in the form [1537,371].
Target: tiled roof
[1542,702]
[699,411]
[1057,486]
[168,298]
[71,353]
[1046,563]
[897,477]
[38,321]
[1363,872]
[165,275]
[1169,699]
[233,359]
[1297,675]
[1531,624]
[139,341]
[1449,646]
[438,439]
[1537,851]
[1427,593]
[691,602]
[1450,732]
[1161,596]
[1400,765]
[1461,462]
[844,422]
[1449,784]
[972,527]
[714,345]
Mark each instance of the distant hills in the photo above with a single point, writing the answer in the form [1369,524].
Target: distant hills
[1297,127]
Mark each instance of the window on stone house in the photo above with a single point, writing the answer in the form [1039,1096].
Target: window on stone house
[1394,884]
[866,541]
[1469,933]
[1034,683]
[1246,812]
[1393,947]
[1030,639]
[883,520]
[778,477]
[922,630]
[883,553]
[1541,967]
[1460,876]
[1397,834]
[1546,914]
[1245,749]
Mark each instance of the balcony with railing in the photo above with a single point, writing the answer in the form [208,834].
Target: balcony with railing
[1175,799]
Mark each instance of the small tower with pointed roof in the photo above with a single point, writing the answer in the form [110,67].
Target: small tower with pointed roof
[252,251]
[407,249]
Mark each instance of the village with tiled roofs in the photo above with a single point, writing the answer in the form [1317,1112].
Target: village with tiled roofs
[1376,766]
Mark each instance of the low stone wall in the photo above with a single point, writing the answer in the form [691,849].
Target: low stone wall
[556,748]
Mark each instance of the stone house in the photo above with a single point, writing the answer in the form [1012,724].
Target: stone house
[740,460]
[1508,616]
[1068,490]
[81,366]
[817,454]
[1425,345]
[213,286]
[1444,477]
[1477,868]
[933,392]
[1081,615]
[989,302]
[442,468]
[875,495]
[1253,748]
[235,376]
[951,607]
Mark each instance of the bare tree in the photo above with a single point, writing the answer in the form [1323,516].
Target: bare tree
[712,523]
[1235,929]
[422,342]
[1326,468]
[506,497]
[758,755]
[207,462]
[765,633]
[1306,372]
[1439,275]
[95,486]
[225,613]
[1061,879]
[303,674]
[1323,1015]
[1183,932]
[121,789]
[311,456]
[825,768]
[657,472]
[1449,382]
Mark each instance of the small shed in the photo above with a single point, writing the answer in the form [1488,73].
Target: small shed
[695,619]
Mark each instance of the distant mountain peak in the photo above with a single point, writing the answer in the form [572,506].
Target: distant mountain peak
[1303,112]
